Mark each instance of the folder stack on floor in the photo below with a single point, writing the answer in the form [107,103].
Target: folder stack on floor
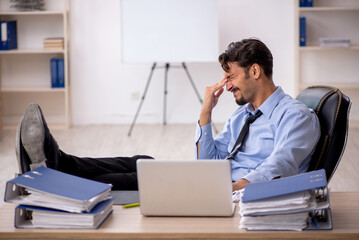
[294,203]
[53,199]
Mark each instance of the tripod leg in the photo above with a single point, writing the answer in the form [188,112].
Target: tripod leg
[165,95]
[142,99]
[192,83]
[196,91]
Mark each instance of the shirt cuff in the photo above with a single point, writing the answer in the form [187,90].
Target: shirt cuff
[203,133]
[256,176]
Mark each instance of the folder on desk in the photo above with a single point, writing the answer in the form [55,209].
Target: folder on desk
[305,201]
[39,217]
[315,220]
[283,186]
[50,188]
[299,202]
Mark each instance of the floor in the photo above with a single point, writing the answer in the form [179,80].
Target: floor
[173,141]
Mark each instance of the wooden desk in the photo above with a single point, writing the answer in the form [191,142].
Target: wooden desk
[130,224]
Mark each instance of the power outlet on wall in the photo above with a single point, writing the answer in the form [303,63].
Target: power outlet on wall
[135,96]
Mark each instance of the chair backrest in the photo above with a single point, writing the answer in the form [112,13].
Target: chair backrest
[332,108]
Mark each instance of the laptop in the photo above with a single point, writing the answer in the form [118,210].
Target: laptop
[185,187]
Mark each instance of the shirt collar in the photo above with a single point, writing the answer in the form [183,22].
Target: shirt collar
[268,106]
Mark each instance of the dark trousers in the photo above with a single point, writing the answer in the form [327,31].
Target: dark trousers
[121,172]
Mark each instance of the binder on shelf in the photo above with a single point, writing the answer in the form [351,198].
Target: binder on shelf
[299,202]
[39,217]
[57,72]
[53,72]
[45,187]
[302,32]
[60,73]
[305,3]
[309,3]
[8,35]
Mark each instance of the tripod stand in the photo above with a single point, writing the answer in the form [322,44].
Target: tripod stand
[167,66]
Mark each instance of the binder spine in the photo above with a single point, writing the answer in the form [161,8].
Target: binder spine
[302,32]
[309,3]
[8,35]
[57,70]
[22,217]
[60,73]
[53,72]
[305,3]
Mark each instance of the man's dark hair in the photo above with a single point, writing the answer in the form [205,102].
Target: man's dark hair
[247,52]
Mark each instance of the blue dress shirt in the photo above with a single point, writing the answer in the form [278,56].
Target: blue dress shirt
[279,143]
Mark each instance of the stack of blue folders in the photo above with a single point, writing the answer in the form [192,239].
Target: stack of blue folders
[53,199]
[294,203]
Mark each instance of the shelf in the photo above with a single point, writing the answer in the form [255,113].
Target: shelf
[319,48]
[31,89]
[31,51]
[26,76]
[31,13]
[329,65]
[323,9]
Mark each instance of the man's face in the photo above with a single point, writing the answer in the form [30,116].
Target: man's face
[240,84]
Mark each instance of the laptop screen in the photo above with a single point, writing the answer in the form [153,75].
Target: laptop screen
[185,187]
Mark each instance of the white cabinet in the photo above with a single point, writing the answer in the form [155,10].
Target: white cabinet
[25,71]
[335,66]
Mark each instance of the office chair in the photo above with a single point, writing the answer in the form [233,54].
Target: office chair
[332,108]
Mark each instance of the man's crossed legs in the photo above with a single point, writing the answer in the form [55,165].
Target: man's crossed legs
[35,146]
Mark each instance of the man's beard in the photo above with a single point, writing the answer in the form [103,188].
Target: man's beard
[241,101]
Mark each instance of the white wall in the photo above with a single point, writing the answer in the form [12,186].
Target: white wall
[104,90]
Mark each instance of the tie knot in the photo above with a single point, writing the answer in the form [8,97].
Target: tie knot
[252,117]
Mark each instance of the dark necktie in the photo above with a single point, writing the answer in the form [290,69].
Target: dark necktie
[243,133]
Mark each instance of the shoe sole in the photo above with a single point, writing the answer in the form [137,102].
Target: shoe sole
[33,136]
[17,146]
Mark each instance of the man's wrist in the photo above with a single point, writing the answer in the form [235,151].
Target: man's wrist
[241,183]
[205,118]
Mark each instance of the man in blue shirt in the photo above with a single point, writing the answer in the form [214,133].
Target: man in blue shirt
[279,142]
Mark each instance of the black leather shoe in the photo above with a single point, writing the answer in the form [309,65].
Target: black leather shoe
[35,145]
[23,159]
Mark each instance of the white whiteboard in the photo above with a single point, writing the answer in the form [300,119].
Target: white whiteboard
[169,31]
